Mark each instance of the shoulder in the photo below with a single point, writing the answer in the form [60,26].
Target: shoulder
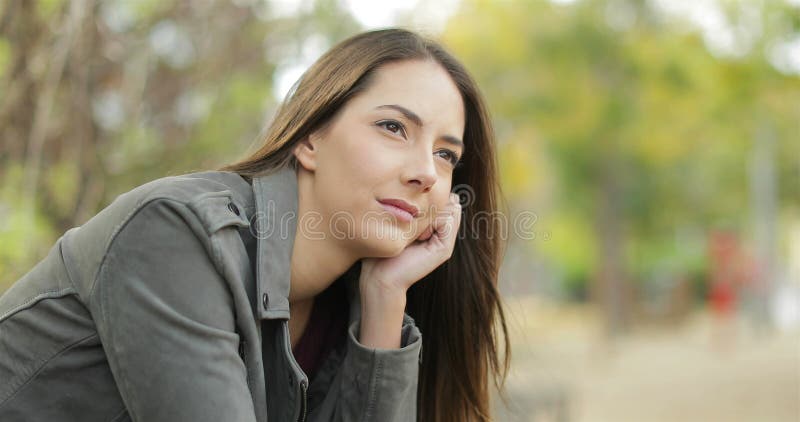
[217,199]
[189,188]
[198,204]
[202,203]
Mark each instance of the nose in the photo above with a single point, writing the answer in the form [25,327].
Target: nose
[421,172]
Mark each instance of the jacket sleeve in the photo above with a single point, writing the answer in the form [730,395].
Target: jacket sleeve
[375,384]
[165,317]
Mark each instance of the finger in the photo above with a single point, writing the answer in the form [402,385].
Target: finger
[443,222]
[455,222]
[426,234]
[448,220]
[455,201]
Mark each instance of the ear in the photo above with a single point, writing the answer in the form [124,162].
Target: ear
[306,152]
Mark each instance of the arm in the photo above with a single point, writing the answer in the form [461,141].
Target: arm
[166,320]
[381,314]
[374,384]
[384,281]
[379,377]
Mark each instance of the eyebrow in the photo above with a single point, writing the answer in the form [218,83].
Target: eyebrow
[410,115]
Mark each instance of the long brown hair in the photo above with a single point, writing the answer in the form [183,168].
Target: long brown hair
[457,306]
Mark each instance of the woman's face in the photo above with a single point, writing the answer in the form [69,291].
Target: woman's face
[397,140]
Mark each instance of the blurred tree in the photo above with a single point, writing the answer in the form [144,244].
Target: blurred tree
[97,97]
[618,123]
[648,132]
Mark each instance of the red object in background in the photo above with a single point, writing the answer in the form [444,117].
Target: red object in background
[722,298]
[730,270]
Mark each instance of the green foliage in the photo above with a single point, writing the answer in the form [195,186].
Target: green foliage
[647,112]
[63,182]
[49,9]
[643,120]
[149,89]
[18,228]
[570,246]
[5,53]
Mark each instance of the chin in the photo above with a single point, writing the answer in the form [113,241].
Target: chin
[386,245]
[384,248]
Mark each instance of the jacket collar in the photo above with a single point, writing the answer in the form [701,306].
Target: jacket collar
[274,225]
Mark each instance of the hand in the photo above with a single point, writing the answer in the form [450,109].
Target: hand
[384,281]
[432,248]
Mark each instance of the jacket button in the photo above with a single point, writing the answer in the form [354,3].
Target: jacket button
[234,209]
[291,381]
[265,300]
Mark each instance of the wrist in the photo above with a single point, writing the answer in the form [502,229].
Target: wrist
[382,294]
[381,317]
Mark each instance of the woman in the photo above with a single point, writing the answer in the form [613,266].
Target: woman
[276,287]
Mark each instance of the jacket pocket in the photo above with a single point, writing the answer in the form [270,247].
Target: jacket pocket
[217,210]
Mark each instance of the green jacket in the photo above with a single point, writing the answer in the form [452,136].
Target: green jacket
[171,304]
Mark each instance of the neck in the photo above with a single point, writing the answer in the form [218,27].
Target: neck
[318,259]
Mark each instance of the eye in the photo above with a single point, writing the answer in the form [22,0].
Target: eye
[450,156]
[393,126]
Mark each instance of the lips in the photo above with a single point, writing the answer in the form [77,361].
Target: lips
[400,208]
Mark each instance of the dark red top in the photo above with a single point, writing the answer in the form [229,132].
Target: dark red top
[326,326]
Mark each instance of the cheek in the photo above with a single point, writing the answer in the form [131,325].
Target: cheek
[365,158]
[351,171]
[442,195]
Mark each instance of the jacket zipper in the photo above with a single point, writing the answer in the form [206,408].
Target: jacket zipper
[303,379]
[303,394]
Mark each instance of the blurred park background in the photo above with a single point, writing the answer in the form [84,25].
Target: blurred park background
[655,142]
